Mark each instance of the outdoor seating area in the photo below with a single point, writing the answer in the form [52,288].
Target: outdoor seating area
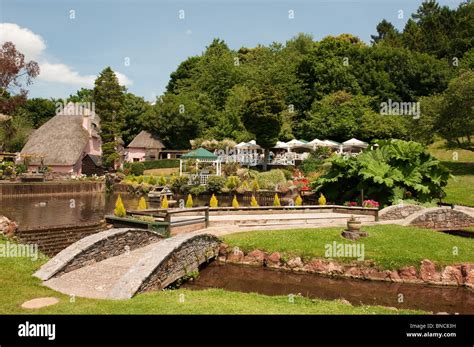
[288,153]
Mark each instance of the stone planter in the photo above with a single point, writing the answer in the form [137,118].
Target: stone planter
[354,225]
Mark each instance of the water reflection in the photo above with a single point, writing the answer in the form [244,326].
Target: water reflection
[270,282]
[61,210]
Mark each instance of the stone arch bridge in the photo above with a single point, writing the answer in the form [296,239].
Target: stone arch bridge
[119,263]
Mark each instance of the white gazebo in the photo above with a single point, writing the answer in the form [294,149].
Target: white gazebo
[200,156]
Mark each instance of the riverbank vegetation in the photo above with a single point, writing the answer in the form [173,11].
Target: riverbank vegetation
[18,286]
[387,246]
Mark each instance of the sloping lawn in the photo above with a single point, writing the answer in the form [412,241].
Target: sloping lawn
[17,286]
[389,246]
[460,188]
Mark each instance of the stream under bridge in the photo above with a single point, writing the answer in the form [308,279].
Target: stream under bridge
[121,262]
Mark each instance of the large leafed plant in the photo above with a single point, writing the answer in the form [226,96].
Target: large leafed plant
[395,170]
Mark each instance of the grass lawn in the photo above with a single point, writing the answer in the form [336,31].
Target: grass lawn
[162,172]
[17,286]
[389,246]
[460,188]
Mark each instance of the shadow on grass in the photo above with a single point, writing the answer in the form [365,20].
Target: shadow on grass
[460,168]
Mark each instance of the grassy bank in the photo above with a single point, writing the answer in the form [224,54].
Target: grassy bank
[18,286]
[460,188]
[389,246]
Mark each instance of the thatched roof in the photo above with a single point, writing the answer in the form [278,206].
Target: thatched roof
[60,141]
[147,141]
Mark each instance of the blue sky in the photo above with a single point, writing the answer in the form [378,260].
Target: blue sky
[151,35]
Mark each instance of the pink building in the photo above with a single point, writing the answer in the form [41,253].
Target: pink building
[144,146]
[65,141]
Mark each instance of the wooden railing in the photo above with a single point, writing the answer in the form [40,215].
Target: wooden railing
[165,216]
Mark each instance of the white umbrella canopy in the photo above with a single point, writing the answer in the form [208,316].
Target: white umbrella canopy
[281,144]
[240,145]
[295,143]
[355,143]
[315,143]
[252,145]
[330,143]
[248,145]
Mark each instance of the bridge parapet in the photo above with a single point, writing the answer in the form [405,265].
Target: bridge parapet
[95,248]
[168,261]
[441,218]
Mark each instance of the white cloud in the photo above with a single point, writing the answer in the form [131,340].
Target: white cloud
[33,47]
[123,80]
[62,73]
[26,41]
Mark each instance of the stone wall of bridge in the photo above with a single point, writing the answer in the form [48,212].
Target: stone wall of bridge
[170,260]
[95,248]
[400,211]
[441,218]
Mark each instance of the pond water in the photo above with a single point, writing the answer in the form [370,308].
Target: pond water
[34,211]
[271,282]
[31,211]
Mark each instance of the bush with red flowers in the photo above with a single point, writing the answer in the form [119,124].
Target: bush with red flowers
[370,204]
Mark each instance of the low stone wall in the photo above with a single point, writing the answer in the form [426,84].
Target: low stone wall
[429,273]
[400,211]
[95,248]
[441,218]
[53,239]
[170,260]
[18,189]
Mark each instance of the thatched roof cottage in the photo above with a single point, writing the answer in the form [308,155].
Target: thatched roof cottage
[64,141]
[144,146]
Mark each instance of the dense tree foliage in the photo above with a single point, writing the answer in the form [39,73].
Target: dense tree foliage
[332,88]
[313,76]
[108,96]
[434,29]
[38,111]
[261,116]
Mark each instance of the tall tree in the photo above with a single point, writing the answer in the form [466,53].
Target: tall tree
[134,108]
[386,32]
[15,72]
[82,95]
[262,117]
[109,98]
[38,111]
[456,117]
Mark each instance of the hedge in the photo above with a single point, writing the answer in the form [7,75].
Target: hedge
[161,164]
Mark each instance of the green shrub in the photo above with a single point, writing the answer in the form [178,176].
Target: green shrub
[315,161]
[232,182]
[197,190]
[161,164]
[215,184]
[161,181]
[21,168]
[136,168]
[152,180]
[269,179]
[395,167]
[180,184]
[288,174]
